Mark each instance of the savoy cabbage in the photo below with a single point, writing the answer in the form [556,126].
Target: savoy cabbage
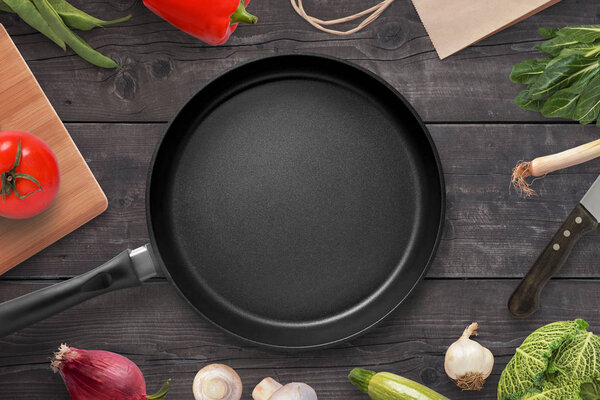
[559,361]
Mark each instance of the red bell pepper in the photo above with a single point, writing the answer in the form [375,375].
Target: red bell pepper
[211,21]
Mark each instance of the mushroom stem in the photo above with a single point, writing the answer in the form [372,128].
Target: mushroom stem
[265,389]
[217,382]
[215,388]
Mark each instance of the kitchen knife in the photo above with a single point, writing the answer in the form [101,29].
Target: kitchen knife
[584,218]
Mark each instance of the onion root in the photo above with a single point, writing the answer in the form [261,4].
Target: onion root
[542,166]
[520,173]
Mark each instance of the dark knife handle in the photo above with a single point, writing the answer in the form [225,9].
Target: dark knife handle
[526,297]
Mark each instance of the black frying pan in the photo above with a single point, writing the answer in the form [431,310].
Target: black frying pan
[294,201]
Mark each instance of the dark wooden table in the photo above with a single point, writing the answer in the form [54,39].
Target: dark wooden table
[491,235]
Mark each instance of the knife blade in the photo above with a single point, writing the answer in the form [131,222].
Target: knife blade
[584,218]
[591,200]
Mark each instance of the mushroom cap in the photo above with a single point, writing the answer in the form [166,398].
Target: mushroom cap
[294,391]
[265,389]
[217,382]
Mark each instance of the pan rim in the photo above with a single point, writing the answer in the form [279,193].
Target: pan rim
[438,169]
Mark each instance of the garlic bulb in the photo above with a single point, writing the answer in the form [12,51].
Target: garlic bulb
[467,362]
[217,382]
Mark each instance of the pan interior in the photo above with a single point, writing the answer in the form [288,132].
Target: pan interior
[291,208]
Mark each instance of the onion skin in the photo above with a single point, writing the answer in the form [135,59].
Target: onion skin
[99,375]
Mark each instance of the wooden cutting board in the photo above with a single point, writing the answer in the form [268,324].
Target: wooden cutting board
[25,107]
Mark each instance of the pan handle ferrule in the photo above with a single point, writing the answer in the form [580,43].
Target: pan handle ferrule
[143,263]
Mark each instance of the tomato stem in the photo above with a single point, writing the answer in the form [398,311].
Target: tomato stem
[8,179]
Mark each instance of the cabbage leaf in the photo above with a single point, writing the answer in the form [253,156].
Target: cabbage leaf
[559,361]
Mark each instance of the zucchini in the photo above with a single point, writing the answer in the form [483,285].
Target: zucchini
[387,386]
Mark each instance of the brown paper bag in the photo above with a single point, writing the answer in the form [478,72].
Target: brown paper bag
[455,24]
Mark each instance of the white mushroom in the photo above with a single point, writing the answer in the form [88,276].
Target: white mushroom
[217,382]
[265,389]
[270,389]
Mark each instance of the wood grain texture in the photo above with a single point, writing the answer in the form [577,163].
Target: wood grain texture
[163,66]
[23,106]
[489,232]
[158,331]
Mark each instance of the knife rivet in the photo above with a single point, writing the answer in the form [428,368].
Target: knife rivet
[567,233]
[578,220]
[556,247]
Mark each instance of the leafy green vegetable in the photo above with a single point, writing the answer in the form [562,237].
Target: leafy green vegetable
[555,45]
[527,71]
[564,84]
[590,391]
[582,33]
[562,103]
[562,73]
[583,49]
[525,101]
[548,32]
[559,361]
[588,105]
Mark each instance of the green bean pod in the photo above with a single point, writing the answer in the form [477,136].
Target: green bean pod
[30,14]
[5,7]
[78,19]
[73,40]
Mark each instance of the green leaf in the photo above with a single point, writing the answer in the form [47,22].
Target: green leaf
[527,71]
[590,390]
[563,73]
[552,392]
[578,359]
[548,32]
[562,103]
[583,49]
[581,33]
[525,101]
[588,105]
[556,45]
[524,373]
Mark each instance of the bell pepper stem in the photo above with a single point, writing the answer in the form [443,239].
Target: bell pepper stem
[241,15]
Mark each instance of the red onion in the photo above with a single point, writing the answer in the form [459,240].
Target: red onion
[101,375]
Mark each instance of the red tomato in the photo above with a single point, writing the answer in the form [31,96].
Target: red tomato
[30,188]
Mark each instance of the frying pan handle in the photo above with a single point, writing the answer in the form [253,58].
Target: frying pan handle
[128,269]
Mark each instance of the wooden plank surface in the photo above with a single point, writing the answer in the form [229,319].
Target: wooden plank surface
[163,66]
[156,329]
[490,231]
[491,236]
[24,107]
